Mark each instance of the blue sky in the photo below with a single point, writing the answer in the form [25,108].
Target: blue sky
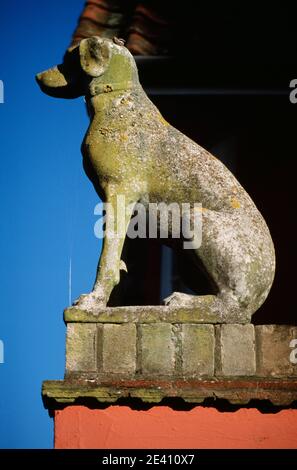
[47,208]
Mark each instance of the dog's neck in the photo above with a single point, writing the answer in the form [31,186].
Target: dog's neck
[96,88]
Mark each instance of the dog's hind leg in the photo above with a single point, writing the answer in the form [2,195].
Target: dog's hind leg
[238,255]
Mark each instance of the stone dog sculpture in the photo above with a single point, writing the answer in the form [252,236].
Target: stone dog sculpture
[130,149]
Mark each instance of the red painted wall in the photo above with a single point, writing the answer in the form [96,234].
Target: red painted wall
[161,427]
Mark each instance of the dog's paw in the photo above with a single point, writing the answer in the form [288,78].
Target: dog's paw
[89,302]
[179,299]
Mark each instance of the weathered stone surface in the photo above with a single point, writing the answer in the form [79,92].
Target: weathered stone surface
[119,348]
[235,350]
[197,350]
[274,351]
[180,349]
[156,349]
[143,314]
[81,347]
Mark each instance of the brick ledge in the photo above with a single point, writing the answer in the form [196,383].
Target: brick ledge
[280,392]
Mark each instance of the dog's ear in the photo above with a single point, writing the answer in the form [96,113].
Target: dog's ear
[94,55]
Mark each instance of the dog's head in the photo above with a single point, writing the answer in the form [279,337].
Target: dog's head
[96,65]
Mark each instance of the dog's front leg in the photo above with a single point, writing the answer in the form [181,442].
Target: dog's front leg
[118,207]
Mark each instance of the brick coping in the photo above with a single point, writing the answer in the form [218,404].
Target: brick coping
[280,392]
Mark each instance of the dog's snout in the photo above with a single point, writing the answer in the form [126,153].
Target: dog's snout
[52,78]
[38,77]
[54,83]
